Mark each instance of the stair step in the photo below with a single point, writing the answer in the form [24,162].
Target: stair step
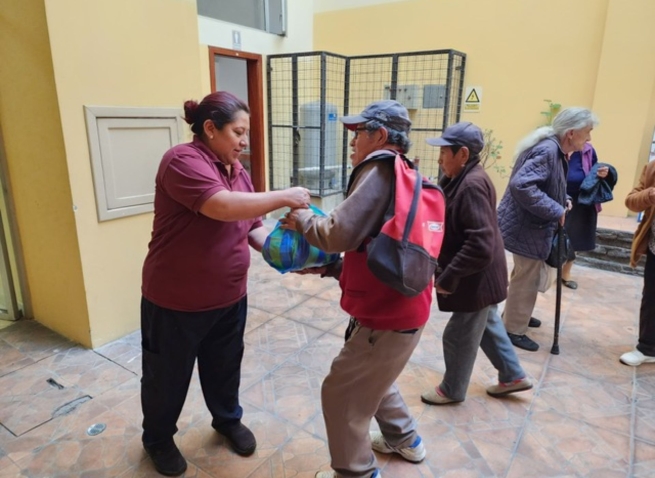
[612,253]
[611,266]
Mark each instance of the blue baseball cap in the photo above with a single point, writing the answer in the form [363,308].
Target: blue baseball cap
[461,134]
[388,112]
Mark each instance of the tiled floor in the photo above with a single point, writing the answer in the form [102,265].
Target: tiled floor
[588,415]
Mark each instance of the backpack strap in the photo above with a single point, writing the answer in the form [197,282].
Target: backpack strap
[379,157]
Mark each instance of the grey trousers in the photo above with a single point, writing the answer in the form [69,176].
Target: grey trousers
[464,333]
[522,293]
[361,386]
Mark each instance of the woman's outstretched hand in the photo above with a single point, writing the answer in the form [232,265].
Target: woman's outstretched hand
[297,197]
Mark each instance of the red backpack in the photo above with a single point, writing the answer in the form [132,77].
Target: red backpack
[404,254]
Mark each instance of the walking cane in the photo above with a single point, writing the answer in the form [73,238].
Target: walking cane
[558,300]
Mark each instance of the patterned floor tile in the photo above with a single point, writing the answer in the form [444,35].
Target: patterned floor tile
[86,370]
[318,313]
[301,457]
[11,359]
[308,283]
[644,461]
[111,453]
[203,446]
[257,317]
[554,445]
[319,354]
[449,450]
[125,352]
[17,447]
[256,364]
[8,467]
[274,299]
[281,337]
[644,428]
[34,340]
[588,415]
[33,397]
[291,392]
[586,399]
[117,396]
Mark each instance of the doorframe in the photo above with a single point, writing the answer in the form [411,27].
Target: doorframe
[14,311]
[256,104]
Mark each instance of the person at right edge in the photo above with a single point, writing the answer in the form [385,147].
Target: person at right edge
[642,198]
[471,259]
[534,202]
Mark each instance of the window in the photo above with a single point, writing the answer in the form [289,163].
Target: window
[266,15]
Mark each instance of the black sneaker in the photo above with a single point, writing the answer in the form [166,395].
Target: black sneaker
[241,439]
[523,342]
[534,322]
[167,459]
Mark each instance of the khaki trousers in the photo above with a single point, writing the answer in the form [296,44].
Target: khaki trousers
[524,285]
[360,385]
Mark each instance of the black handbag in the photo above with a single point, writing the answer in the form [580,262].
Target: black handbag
[559,248]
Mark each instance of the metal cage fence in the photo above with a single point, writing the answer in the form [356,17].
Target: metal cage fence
[308,92]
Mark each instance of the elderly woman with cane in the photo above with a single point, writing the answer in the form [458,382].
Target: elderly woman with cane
[534,202]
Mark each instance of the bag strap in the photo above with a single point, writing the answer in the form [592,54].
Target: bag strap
[417,186]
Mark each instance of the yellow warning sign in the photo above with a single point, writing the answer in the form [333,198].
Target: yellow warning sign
[473,99]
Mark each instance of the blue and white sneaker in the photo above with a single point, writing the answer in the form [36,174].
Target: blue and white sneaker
[414,453]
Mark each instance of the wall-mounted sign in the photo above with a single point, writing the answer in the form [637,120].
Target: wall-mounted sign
[473,99]
[236,40]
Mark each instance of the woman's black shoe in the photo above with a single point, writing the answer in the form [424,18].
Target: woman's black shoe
[534,322]
[571,284]
[241,438]
[523,342]
[167,459]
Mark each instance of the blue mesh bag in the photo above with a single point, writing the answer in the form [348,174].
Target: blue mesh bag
[286,250]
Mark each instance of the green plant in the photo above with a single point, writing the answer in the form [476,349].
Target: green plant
[551,112]
[490,154]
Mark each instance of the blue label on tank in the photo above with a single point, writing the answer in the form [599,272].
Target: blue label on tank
[332,116]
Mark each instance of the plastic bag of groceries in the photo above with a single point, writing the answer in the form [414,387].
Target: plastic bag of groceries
[286,250]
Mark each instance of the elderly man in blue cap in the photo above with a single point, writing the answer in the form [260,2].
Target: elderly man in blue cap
[472,275]
[385,326]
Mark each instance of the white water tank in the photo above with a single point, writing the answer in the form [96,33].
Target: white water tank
[309,120]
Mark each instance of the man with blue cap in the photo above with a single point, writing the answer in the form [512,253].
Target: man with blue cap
[385,326]
[472,275]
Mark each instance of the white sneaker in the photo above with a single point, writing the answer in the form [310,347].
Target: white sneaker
[326,474]
[414,453]
[636,358]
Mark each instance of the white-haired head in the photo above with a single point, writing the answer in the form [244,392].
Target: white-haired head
[569,119]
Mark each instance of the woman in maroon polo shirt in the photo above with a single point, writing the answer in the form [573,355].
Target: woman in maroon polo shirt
[195,275]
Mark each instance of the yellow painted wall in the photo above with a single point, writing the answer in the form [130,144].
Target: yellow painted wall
[625,92]
[38,171]
[116,53]
[592,53]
